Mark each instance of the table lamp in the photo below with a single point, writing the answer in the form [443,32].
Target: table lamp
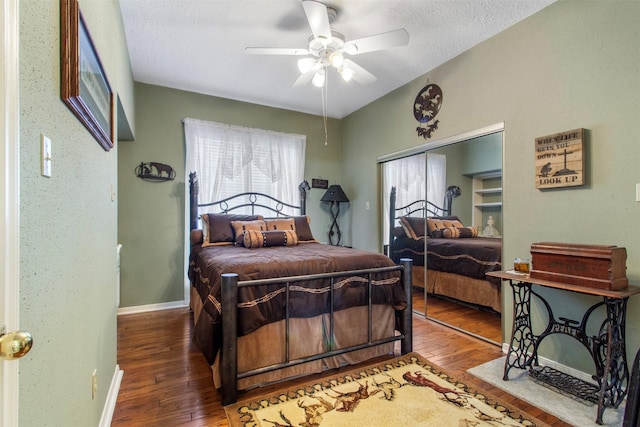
[334,195]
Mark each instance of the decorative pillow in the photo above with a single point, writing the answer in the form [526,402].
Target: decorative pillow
[217,228]
[239,227]
[455,232]
[195,236]
[261,239]
[413,226]
[468,232]
[303,229]
[435,224]
[299,224]
[280,224]
[451,233]
[398,231]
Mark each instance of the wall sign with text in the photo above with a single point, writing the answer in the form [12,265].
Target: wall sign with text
[560,159]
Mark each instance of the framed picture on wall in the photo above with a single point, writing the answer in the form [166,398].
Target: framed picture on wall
[560,159]
[84,87]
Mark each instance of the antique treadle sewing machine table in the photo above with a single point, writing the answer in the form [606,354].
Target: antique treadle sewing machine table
[607,348]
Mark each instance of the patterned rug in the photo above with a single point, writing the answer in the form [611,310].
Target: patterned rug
[406,391]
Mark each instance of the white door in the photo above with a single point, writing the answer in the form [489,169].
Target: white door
[9,203]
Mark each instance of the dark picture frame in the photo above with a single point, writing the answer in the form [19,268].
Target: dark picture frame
[84,85]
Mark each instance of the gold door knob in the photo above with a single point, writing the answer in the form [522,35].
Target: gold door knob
[14,345]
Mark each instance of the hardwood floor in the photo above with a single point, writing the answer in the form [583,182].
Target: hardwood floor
[479,321]
[167,381]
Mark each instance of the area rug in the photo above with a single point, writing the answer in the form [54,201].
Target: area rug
[405,391]
[564,407]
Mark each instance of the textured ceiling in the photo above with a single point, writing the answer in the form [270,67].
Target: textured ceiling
[198,45]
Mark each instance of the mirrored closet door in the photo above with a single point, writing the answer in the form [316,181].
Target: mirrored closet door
[446,214]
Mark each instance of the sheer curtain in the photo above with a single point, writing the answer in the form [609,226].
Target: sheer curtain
[436,178]
[414,177]
[231,159]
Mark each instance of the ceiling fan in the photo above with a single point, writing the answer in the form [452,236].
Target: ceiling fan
[327,48]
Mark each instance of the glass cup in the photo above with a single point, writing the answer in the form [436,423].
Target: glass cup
[522,265]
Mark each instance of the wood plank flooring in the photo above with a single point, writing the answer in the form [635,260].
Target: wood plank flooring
[167,381]
[479,321]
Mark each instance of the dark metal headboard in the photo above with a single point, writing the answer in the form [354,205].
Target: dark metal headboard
[423,208]
[255,201]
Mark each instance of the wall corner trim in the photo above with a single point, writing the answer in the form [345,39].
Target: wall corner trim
[112,397]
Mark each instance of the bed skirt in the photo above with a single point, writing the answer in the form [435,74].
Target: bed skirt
[463,288]
[265,346]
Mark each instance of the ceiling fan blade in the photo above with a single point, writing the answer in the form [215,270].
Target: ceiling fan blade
[275,51]
[377,42]
[306,77]
[360,75]
[318,18]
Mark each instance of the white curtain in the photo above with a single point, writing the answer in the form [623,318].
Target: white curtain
[414,177]
[436,179]
[231,159]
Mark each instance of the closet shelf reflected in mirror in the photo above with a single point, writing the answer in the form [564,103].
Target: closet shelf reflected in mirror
[487,196]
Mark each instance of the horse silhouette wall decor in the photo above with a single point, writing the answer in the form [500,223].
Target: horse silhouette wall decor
[154,171]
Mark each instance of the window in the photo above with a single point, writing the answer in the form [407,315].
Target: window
[414,177]
[230,160]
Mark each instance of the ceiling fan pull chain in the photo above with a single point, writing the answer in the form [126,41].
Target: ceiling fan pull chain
[324,92]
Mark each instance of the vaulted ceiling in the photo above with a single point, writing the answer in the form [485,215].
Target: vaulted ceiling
[199,45]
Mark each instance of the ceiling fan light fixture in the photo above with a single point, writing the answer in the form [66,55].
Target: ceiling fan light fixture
[346,73]
[336,59]
[328,48]
[318,79]
[306,64]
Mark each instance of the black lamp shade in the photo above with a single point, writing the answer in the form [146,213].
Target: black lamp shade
[334,194]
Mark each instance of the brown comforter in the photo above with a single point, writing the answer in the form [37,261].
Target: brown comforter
[261,305]
[471,257]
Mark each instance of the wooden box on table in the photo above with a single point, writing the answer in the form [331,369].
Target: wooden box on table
[593,266]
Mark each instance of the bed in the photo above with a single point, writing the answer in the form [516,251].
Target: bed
[271,303]
[457,259]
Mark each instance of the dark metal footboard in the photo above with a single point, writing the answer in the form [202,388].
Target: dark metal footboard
[229,350]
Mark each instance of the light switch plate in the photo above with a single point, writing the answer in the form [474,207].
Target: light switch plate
[45,156]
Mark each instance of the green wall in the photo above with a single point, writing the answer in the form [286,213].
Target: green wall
[483,154]
[151,215]
[574,64]
[68,226]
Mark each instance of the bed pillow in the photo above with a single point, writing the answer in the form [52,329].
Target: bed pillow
[398,232]
[435,225]
[413,226]
[468,232]
[300,224]
[280,224]
[260,239]
[196,236]
[455,232]
[303,228]
[217,228]
[239,227]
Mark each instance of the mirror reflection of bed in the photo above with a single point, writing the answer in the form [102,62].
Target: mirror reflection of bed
[459,232]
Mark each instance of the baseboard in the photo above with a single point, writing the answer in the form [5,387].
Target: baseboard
[557,366]
[112,397]
[152,307]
